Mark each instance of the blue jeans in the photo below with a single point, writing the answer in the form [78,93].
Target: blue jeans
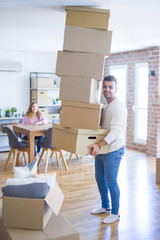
[37,141]
[106,172]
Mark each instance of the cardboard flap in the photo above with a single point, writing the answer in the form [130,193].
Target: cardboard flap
[82,105]
[89,132]
[55,199]
[61,228]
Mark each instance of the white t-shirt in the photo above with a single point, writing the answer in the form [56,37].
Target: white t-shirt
[114,118]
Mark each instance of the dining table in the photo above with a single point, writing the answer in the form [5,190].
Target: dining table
[31,131]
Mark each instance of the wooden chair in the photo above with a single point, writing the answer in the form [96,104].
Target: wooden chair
[47,146]
[15,147]
[70,156]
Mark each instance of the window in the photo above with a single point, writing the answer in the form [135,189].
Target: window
[141,102]
[120,72]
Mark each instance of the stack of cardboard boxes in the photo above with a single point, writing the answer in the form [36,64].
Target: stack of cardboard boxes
[35,219]
[80,65]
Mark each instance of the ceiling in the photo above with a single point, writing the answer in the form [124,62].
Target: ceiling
[38,25]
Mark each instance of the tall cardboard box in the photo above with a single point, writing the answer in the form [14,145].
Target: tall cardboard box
[28,213]
[77,140]
[58,228]
[87,17]
[80,64]
[80,115]
[78,89]
[88,40]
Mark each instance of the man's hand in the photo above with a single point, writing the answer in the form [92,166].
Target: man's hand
[95,149]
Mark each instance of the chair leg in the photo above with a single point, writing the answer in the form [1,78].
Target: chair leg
[17,160]
[40,159]
[14,159]
[52,154]
[64,161]
[9,156]
[70,156]
[58,161]
[25,160]
[77,156]
[46,163]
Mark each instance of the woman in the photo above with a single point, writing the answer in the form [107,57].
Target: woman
[35,117]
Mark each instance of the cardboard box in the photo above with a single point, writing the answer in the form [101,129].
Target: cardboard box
[42,98]
[42,82]
[77,140]
[87,17]
[80,115]
[80,64]
[89,40]
[44,111]
[78,89]
[51,117]
[58,228]
[28,213]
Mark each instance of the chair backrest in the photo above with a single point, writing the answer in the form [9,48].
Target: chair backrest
[13,140]
[47,141]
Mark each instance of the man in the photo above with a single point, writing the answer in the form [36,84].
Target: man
[114,117]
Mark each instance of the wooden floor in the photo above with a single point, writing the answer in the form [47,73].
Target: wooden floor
[139,202]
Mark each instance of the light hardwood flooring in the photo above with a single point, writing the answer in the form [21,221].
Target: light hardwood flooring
[139,201]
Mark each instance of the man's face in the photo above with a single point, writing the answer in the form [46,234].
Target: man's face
[109,90]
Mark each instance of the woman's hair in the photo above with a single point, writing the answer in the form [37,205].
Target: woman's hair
[30,113]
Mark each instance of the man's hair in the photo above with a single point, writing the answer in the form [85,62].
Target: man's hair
[110,78]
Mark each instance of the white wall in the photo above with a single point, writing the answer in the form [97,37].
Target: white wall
[15,86]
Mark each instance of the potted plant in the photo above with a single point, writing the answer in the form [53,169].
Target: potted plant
[54,83]
[7,112]
[13,110]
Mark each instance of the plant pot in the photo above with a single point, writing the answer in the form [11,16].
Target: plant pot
[8,114]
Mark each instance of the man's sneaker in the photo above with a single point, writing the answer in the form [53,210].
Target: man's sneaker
[111,218]
[100,210]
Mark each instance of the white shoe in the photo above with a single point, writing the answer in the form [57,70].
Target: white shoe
[100,210]
[111,218]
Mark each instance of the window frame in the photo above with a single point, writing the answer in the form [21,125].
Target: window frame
[136,107]
[125,67]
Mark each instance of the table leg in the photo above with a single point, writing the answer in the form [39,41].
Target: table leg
[31,147]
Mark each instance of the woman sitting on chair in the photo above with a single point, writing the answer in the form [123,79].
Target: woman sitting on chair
[35,117]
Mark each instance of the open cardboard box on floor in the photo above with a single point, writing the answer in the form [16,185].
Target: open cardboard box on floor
[80,64]
[76,140]
[80,115]
[88,17]
[58,228]
[86,90]
[87,40]
[32,213]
